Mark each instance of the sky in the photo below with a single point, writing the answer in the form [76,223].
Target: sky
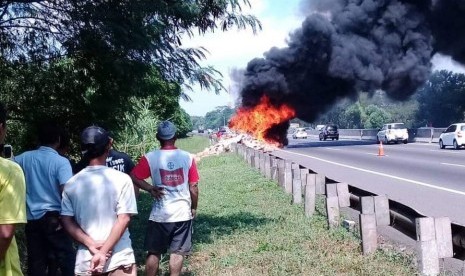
[234,49]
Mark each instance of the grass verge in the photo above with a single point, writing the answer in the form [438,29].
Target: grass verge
[246,225]
[193,144]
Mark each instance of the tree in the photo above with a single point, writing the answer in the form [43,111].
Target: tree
[100,34]
[335,114]
[197,122]
[353,116]
[218,117]
[375,117]
[64,94]
[442,99]
[82,62]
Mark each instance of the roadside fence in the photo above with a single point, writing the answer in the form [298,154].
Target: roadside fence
[424,134]
[436,237]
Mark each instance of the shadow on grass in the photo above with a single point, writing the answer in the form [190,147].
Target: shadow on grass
[207,227]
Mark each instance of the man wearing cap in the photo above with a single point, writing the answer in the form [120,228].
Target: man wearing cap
[97,206]
[12,206]
[174,189]
[46,172]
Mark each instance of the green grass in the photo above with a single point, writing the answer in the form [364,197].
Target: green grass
[246,225]
[193,144]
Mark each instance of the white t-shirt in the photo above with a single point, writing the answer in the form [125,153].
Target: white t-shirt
[170,170]
[95,197]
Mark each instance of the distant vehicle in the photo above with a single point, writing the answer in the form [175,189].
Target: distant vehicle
[319,127]
[329,131]
[453,136]
[224,132]
[201,130]
[294,125]
[300,133]
[395,132]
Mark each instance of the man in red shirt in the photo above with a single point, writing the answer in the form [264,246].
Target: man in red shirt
[174,189]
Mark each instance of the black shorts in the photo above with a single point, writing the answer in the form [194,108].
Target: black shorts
[171,237]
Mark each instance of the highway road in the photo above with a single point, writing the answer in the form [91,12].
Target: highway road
[419,175]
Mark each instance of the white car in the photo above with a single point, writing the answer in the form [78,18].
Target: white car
[453,136]
[394,132]
[300,133]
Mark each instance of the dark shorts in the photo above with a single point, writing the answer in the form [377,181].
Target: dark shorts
[171,237]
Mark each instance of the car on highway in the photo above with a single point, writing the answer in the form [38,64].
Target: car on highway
[453,136]
[300,133]
[329,132]
[319,127]
[393,132]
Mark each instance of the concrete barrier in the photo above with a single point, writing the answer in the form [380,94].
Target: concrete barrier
[274,168]
[288,177]
[267,166]
[427,250]
[310,197]
[434,235]
[368,233]
[332,211]
[296,187]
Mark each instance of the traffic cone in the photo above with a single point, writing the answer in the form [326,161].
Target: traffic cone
[380,149]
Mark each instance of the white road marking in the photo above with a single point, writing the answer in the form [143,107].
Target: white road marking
[380,174]
[450,164]
[375,154]
[424,144]
[445,151]
[332,149]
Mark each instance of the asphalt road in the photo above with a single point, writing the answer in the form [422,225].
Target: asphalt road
[419,175]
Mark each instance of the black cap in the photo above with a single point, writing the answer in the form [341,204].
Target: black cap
[94,139]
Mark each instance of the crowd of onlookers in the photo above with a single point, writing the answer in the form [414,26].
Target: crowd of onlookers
[77,215]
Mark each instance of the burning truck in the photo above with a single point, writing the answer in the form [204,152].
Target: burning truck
[342,47]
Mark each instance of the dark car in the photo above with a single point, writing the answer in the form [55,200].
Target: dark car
[329,131]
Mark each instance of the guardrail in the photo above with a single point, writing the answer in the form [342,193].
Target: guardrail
[424,134]
[436,238]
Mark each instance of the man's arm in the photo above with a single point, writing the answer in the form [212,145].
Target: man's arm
[76,232]
[141,183]
[156,192]
[7,231]
[12,206]
[193,187]
[98,260]
[194,191]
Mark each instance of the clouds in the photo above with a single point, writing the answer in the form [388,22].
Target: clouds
[234,49]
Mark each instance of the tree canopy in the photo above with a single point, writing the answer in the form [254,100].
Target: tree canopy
[82,62]
[442,99]
[218,117]
[98,32]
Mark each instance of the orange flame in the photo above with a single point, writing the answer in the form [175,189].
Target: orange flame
[260,118]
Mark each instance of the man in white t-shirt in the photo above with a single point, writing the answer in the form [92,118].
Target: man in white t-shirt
[174,177]
[96,209]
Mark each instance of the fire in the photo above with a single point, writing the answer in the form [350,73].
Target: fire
[258,120]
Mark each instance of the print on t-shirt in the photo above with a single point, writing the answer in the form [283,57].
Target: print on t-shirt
[117,164]
[172,178]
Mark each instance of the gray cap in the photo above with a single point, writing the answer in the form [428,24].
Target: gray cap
[166,130]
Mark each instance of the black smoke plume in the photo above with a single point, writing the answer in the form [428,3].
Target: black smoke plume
[345,46]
